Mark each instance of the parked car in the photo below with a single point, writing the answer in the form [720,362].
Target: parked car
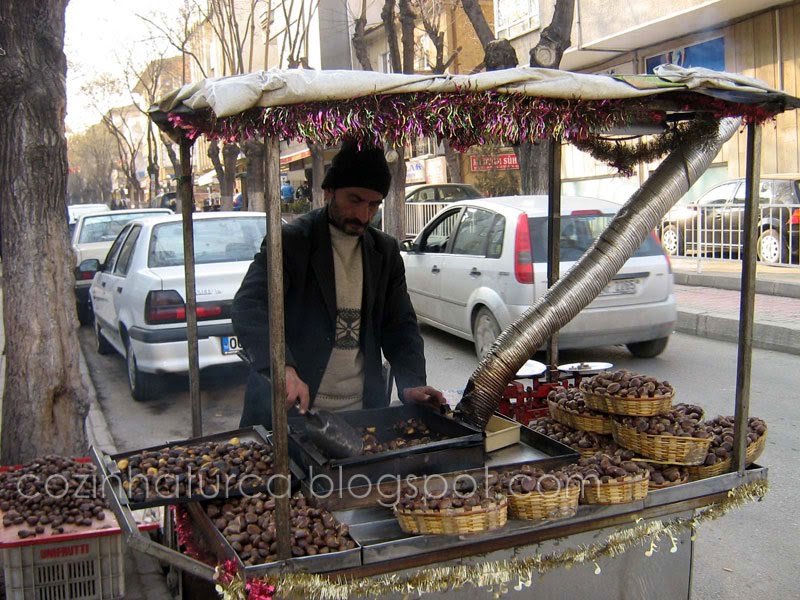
[166,200]
[714,224]
[427,199]
[92,238]
[480,264]
[76,210]
[139,296]
[441,192]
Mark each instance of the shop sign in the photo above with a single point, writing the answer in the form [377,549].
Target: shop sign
[415,171]
[499,162]
[436,170]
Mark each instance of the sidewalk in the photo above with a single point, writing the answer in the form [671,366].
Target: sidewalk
[708,302]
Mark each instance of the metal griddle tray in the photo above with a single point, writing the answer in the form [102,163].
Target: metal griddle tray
[461,448]
[319,563]
[107,465]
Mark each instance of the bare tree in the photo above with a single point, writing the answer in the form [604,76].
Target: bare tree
[90,161]
[553,41]
[44,399]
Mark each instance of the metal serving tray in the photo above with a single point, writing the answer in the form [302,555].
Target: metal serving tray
[319,563]
[461,449]
[107,465]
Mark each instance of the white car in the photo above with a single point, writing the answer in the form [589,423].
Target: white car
[76,210]
[139,298]
[480,264]
[92,236]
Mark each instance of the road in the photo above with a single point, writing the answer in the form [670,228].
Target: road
[751,551]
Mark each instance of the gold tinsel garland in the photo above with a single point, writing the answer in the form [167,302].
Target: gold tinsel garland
[624,157]
[496,576]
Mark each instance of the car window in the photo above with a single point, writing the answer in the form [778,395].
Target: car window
[473,232]
[124,261]
[496,235]
[577,234]
[718,195]
[215,241]
[425,195]
[436,236]
[785,192]
[453,193]
[106,228]
[113,252]
[764,195]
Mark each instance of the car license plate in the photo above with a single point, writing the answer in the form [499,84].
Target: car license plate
[618,287]
[230,344]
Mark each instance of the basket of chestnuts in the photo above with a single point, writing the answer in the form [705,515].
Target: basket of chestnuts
[623,392]
[677,437]
[568,407]
[537,495]
[720,451]
[453,511]
[611,479]
[585,442]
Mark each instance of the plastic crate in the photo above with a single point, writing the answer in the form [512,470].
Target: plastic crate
[84,568]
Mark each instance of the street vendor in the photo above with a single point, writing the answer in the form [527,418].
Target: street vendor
[345,302]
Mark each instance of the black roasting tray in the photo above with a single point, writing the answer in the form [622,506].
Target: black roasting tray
[461,448]
[319,563]
[107,464]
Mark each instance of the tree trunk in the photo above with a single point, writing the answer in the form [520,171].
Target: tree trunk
[388,16]
[45,399]
[453,159]
[394,208]
[472,8]
[230,152]
[317,175]
[359,38]
[407,21]
[254,151]
[555,39]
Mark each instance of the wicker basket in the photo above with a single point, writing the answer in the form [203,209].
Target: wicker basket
[666,448]
[752,453]
[454,521]
[634,407]
[542,506]
[666,484]
[616,492]
[588,452]
[593,423]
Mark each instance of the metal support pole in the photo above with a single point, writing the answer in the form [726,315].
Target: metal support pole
[186,192]
[277,345]
[554,247]
[747,298]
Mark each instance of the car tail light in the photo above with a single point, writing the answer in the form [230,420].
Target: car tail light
[168,307]
[523,258]
[586,212]
[86,275]
[664,252]
[795,218]
[164,307]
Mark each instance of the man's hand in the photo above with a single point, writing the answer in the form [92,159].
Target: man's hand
[425,395]
[296,391]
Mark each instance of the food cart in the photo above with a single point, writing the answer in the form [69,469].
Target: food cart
[639,546]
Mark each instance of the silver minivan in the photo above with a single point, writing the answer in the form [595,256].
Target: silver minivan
[479,264]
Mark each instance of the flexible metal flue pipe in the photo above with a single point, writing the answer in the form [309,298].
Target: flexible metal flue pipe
[590,274]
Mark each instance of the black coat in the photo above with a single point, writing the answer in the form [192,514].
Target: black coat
[389,324]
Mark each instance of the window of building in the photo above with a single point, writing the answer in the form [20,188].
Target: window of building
[710,54]
[386,63]
[515,17]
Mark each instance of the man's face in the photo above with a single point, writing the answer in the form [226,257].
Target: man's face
[352,208]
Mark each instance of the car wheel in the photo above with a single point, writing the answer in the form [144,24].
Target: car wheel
[484,331]
[771,247]
[670,240]
[142,384]
[648,349]
[101,343]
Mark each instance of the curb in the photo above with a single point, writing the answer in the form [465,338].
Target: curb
[769,287]
[783,338]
